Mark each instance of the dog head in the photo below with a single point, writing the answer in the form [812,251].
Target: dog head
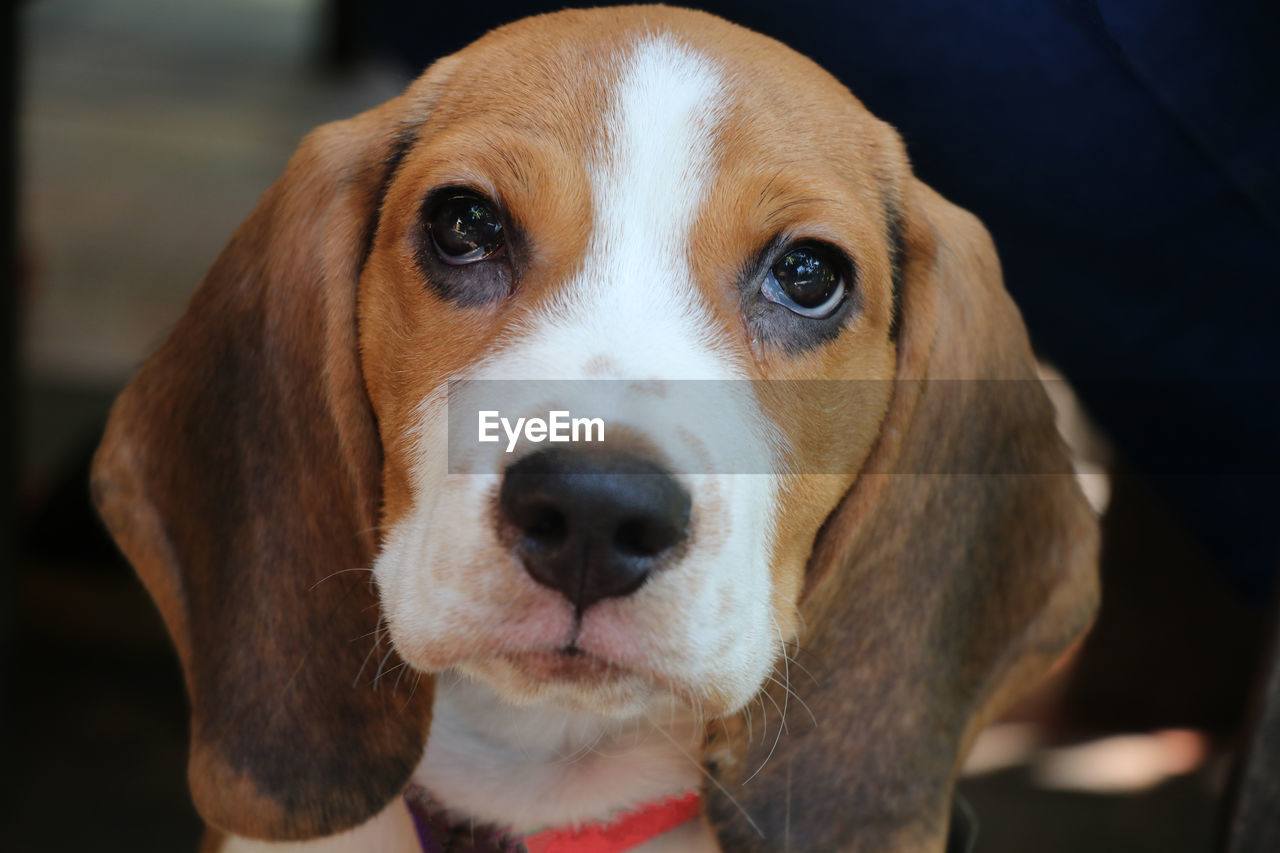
[627,200]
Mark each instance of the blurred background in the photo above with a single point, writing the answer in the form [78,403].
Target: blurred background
[145,131]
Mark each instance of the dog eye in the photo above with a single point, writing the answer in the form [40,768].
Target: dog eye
[465,229]
[807,280]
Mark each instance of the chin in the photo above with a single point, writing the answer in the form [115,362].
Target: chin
[575,681]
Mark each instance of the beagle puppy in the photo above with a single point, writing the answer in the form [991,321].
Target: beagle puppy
[376,622]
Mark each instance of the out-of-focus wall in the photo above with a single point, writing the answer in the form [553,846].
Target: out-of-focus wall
[148,130]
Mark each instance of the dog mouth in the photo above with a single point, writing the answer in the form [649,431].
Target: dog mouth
[568,663]
[569,675]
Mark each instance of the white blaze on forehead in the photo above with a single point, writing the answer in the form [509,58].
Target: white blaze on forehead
[649,184]
[635,297]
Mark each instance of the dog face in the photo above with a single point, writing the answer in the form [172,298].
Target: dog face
[633,196]
[642,196]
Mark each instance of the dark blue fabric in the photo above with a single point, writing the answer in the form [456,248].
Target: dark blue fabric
[1125,155]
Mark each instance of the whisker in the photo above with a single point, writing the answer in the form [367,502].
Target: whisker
[782,712]
[368,634]
[782,725]
[378,675]
[802,624]
[583,751]
[403,667]
[796,696]
[713,780]
[334,575]
[764,714]
[414,689]
[787,663]
[786,672]
[803,668]
[368,654]
[781,709]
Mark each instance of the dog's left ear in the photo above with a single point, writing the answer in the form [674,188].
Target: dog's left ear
[240,474]
[953,573]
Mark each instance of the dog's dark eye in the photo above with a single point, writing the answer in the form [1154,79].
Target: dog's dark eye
[808,280]
[465,229]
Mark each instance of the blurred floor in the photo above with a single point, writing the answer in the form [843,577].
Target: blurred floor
[149,128]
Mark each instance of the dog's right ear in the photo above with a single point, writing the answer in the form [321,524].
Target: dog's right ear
[959,566]
[240,475]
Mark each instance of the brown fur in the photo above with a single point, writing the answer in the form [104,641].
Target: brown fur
[936,592]
[210,479]
[248,468]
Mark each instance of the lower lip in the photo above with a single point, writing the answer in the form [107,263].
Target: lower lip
[566,666]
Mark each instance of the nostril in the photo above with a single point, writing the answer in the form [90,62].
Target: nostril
[642,537]
[547,527]
[543,525]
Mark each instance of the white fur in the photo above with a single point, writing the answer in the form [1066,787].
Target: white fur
[533,767]
[504,746]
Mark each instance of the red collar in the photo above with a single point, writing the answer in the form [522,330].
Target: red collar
[623,831]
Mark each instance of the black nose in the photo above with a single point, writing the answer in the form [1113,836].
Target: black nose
[593,525]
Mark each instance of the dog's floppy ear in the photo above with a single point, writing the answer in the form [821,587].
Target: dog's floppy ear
[239,473]
[958,567]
